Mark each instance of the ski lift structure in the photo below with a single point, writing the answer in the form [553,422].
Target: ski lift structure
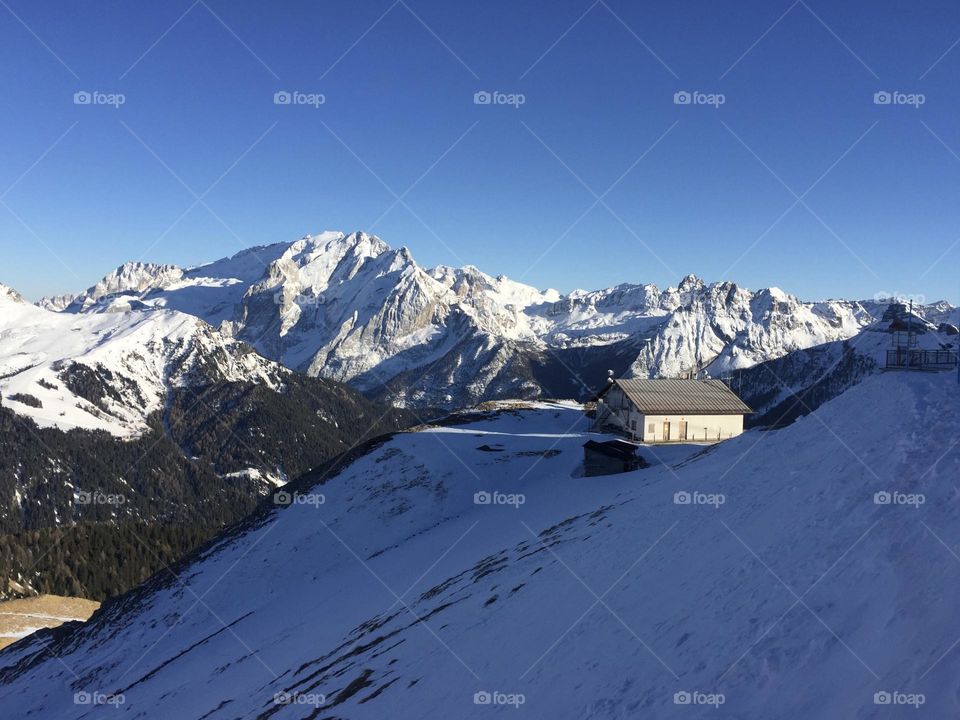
[905,353]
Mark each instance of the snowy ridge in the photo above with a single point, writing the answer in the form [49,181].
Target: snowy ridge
[800,595]
[350,308]
[109,368]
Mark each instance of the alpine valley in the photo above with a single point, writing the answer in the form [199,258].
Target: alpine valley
[267,466]
[165,402]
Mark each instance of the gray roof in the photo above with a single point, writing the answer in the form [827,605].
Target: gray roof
[683,397]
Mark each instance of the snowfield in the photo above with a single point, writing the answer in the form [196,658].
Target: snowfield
[469,571]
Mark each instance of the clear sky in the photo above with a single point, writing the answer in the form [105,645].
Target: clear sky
[798,179]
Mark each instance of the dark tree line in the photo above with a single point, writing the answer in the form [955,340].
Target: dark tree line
[94,560]
[77,506]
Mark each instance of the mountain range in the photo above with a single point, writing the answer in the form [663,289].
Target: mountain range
[193,392]
[347,307]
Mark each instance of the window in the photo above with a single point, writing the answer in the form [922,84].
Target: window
[633,425]
[651,428]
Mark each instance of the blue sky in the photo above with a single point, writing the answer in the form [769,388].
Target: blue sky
[798,179]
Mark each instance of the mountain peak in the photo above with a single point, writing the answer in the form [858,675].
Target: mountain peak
[8,294]
[690,282]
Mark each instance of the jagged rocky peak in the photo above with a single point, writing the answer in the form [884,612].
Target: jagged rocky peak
[471,283]
[55,303]
[690,283]
[323,252]
[127,278]
[137,276]
[8,294]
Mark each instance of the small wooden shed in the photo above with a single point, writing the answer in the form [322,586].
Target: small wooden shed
[610,457]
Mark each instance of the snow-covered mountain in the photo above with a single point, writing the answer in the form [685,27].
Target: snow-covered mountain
[469,570]
[110,367]
[781,389]
[350,308]
[129,421]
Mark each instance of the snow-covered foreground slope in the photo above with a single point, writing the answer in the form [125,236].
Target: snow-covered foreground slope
[786,588]
[350,308]
[109,370]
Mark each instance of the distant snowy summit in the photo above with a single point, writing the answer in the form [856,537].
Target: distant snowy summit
[349,307]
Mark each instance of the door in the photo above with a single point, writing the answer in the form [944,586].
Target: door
[666,430]
[683,430]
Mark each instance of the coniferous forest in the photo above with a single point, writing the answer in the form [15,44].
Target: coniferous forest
[87,514]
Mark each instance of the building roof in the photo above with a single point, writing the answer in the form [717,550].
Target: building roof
[683,397]
[619,449]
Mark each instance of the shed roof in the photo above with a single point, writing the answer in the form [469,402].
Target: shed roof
[690,397]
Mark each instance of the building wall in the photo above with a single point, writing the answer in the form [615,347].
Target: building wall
[700,428]
[596,463]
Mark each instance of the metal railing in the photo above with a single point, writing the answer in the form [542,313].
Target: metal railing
[911,359]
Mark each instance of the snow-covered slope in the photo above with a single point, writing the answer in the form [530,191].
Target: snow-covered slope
[350,308]
[787,587]
[110,367]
